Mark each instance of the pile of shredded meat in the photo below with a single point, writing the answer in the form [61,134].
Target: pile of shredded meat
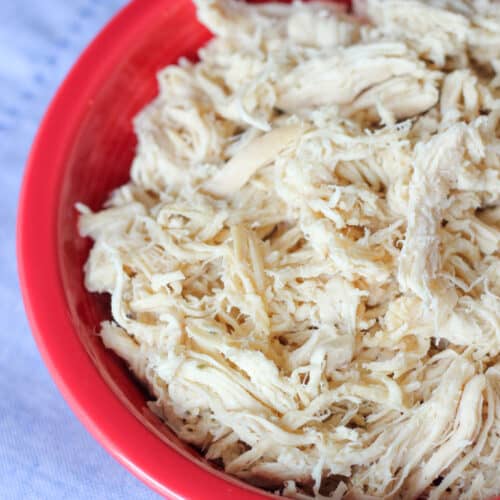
[304,268]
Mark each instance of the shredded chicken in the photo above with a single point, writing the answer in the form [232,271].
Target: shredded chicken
[304,267]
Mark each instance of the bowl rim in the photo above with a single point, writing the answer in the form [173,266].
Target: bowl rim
[95,404]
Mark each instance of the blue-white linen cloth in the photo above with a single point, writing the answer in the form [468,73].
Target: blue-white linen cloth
[45,453]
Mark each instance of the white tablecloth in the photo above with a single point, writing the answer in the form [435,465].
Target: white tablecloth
[45,453]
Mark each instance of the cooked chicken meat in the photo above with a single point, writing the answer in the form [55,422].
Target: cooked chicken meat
[304,267]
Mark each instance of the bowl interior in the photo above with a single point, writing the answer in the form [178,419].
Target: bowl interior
[98,161]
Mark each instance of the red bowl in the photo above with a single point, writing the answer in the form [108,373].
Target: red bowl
[83,150]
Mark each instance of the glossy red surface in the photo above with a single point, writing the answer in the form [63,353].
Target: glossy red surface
[83,149]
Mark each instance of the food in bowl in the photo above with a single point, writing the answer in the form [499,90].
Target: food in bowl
[304,267]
